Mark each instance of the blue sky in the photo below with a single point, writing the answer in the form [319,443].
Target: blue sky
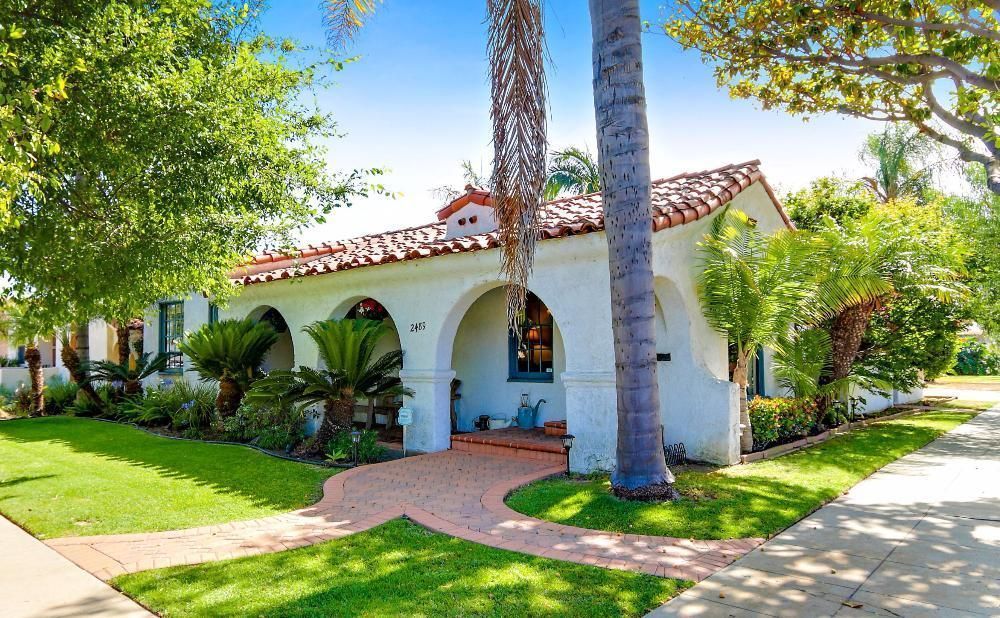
[417,102]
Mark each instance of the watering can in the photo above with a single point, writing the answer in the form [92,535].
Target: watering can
[526,414]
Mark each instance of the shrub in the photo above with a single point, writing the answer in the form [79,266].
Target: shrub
[342,449]
[975,359]
[780,419]
[9,362]
[180,404]
[6,395]
[275,428]
[59,395]
[85,406]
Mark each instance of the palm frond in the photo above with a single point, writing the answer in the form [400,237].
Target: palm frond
[229,348]
[344,18]
[517,77]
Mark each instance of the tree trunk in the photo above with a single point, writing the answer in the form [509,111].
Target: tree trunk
[71,360]
[740,377]
[993,176]
[33,356]
[338,415]
[623,149]
[124,349]
[229,399]
[845,336]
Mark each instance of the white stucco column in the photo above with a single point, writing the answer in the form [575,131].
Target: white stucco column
[431,402]
[591,416]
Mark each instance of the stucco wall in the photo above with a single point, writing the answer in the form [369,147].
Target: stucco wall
[13,377]
[480,361]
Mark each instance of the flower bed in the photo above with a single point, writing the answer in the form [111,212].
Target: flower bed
[777,420]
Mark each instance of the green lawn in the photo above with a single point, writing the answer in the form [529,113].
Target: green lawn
[396,569]
[966,404]
[63,476]
[753,500]
[968,380]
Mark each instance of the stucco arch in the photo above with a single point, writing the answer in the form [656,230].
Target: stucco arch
[444,346]
[282,353]
[392,341]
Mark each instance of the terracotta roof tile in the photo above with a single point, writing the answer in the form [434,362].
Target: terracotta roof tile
[675,201]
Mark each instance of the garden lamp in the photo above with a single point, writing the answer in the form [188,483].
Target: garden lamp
[355,438]
[567,442]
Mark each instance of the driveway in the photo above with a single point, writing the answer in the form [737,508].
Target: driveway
[921,537]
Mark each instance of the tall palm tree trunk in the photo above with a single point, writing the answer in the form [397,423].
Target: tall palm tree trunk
[73,364]
[124,349]
[623,148]
[741,378]
[33,356]
[845,337]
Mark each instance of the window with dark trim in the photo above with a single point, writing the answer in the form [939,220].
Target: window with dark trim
[171,331]
[213,313]
[531,353]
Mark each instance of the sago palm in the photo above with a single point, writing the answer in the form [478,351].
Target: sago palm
[351,370]
[125,378]
[230,352]
[754,288]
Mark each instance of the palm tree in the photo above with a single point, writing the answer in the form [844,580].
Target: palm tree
[517,76]
[572,171]
[123,376]
[75,366]
[754,288]
[347,349]
[230,352]
[899,155]
[16,321]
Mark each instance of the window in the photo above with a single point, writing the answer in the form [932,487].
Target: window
[755,372]
[213,313]
[171,331]
[531,352]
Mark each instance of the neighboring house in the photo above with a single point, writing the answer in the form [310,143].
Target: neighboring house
[101,346]
[438,285]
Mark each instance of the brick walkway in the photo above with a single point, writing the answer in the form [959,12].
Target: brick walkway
[457,493]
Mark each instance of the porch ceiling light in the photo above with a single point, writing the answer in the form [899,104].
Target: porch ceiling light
[567,442]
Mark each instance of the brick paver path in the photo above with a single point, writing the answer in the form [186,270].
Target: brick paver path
[456,493]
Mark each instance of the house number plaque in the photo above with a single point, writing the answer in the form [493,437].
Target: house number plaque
[416,327]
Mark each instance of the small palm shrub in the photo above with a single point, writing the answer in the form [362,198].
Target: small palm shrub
[107,408]
[776,420]
[341,448]
[125,379]
[59,395]
[229,352]
[273,427]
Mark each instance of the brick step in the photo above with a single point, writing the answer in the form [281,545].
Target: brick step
[555,428]
[508,451]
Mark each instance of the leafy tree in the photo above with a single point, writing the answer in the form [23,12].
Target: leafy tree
[347,349]
[231,353]
[932,64]
[916,333]
[153,147]
[827,197]
[754,288]
[572,171]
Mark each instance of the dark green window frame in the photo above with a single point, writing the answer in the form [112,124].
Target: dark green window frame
[171,331]
[532,355]
[213,313]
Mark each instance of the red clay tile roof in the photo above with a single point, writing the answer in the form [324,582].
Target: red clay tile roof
[676,200]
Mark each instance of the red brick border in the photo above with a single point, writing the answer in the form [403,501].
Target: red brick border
[453,492]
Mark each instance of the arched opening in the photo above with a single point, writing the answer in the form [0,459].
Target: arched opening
[494,366]
[378,412]
[282,353]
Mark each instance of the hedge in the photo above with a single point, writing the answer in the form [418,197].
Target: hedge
[775,420]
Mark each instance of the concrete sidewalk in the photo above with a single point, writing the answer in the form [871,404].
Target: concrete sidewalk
[35,581]
[921,537]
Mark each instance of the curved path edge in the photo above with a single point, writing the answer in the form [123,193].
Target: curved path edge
[455,493]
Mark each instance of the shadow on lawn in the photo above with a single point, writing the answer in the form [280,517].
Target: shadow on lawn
[261,480]
[398,569]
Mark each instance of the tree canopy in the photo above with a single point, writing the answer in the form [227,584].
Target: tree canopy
[934,64]
[150,149]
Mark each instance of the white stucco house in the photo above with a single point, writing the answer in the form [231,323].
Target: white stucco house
[440,287]
[98,345]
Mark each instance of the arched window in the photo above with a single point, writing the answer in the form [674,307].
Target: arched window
[531,352]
